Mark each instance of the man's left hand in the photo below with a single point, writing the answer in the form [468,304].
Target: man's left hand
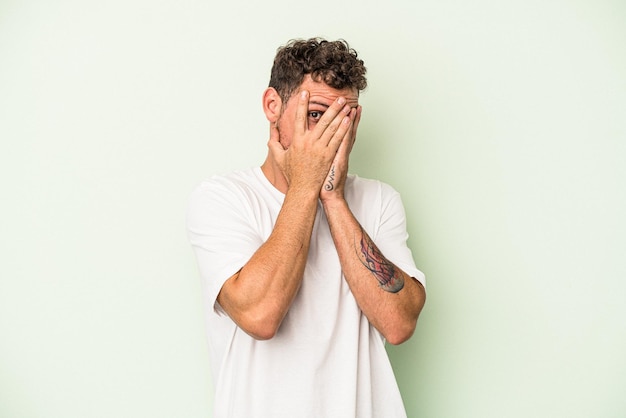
[335,180]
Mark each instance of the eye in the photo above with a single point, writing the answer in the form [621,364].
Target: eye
[315,116]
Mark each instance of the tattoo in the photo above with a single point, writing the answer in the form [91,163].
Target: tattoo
[331,177]
[389,278]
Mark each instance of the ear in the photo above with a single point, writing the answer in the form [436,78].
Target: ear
[272,104]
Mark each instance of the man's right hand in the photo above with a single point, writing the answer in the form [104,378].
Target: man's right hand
[258,297]
[307,159]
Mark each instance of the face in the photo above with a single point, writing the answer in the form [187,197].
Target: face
[321,96]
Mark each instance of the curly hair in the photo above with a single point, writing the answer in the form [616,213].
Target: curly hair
[331,62]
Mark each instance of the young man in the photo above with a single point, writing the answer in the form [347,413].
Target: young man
[306,268]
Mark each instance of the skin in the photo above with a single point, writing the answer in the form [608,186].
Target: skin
[311,136]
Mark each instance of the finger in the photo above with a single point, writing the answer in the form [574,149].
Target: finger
[345,146]
[340,125]
[355,125]
[275,148]
[302,111]
[331,118]
[274,140]
[357,119]
[348,139]
[342,132]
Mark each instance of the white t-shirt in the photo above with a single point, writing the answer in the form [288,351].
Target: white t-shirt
[326,360]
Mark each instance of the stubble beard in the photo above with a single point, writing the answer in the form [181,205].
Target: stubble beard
[281,137]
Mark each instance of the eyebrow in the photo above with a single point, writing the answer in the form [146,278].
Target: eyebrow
[319,104]
[324,105]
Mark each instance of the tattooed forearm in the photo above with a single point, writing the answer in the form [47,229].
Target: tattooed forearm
[389,278]
[330,179]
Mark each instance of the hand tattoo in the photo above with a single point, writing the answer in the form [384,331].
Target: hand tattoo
[389,278]
[331,177]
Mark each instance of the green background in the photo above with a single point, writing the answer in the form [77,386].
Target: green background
[502,123]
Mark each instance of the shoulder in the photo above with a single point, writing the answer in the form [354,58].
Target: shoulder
[371,188]
[231,187]
[371,199]
[242,179]
[223,193]
[242,196]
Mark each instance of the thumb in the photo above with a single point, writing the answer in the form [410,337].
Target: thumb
[274,141]
[276,149]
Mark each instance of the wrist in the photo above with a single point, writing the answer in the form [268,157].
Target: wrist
[303,192]
[333,200]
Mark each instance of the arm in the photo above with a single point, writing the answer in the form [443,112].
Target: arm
[389,298]
[258,297]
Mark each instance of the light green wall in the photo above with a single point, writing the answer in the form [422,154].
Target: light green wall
[502,123]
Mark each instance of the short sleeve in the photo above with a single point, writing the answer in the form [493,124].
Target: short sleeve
[392,235]
[221,234]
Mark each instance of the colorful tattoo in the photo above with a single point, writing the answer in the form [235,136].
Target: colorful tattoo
[331,177]
[389,279]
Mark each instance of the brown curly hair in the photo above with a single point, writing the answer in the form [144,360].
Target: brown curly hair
[331,62]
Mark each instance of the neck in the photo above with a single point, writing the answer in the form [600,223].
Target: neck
[273,173]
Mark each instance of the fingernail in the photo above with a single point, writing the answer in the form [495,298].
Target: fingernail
[303,94]
[341,100]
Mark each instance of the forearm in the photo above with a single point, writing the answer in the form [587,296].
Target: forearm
[390,299]
[258,297]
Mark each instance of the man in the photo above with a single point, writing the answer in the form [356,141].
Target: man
[305,267]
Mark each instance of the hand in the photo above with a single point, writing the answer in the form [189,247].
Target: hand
[336,177]
[306,161]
